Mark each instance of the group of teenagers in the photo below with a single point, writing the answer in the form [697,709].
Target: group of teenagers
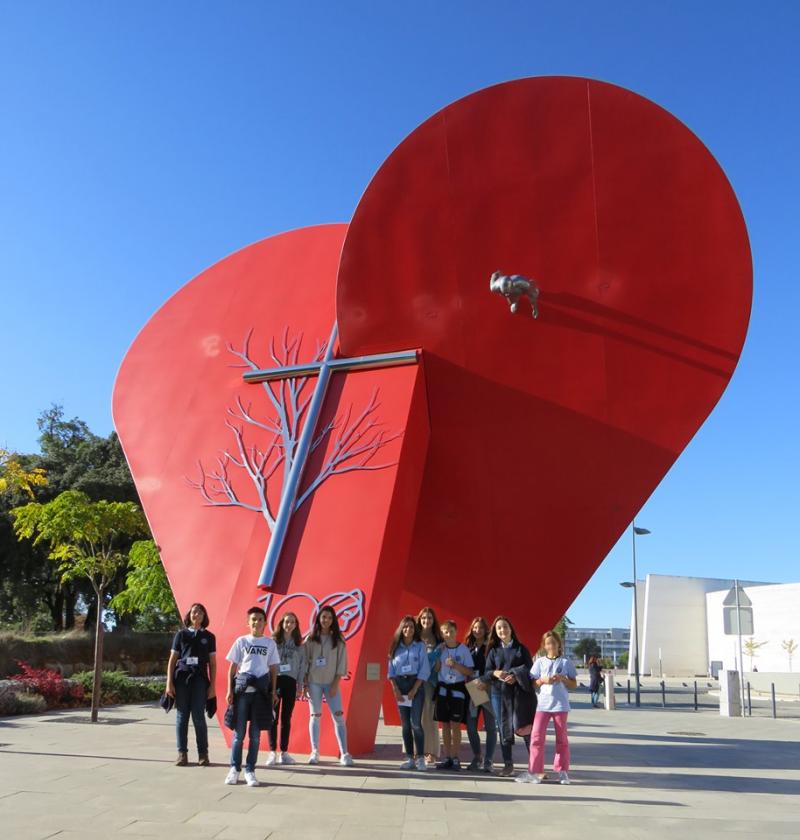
[436,680]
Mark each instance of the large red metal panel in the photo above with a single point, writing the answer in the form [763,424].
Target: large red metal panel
[547,435]
[174,393]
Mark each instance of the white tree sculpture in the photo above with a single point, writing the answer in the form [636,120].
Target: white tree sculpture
[790,646]
[356,439]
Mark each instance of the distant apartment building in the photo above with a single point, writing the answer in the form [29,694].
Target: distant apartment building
[613,641]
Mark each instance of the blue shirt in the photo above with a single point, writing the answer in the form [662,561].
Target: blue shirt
[410,661]
[553,698]
[462,656]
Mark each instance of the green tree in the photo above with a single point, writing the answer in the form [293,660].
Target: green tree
[147,590]
[751,648]
[83,537]
[76,459]
[72,458]
[14,476]
[586,647]
[563,625]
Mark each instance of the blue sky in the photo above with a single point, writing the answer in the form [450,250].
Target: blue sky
[142,142]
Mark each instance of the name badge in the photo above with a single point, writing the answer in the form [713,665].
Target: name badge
[451,678]
[286,667]
[320,662]
[191,660]
[407,669]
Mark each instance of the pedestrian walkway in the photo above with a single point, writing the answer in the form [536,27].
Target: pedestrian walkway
[641,774]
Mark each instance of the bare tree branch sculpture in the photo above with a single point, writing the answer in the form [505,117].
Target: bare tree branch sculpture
[356,442]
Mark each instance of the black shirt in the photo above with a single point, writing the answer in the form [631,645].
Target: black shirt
[190,644]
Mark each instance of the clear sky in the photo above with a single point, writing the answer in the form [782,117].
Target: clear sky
[142,142]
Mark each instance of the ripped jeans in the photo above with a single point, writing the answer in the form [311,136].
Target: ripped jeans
[316,691]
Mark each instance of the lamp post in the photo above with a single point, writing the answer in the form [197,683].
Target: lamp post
[640,532]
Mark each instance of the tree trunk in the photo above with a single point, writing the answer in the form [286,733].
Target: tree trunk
[55,606]
[98,656]
[69,608]
[91,614]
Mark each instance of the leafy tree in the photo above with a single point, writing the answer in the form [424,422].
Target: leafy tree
[622,660]
[14,476]
[83,537]
[32,594]
[751,648]
[562,626]
[586,647]
[790,646]
[76,459]
[147,589]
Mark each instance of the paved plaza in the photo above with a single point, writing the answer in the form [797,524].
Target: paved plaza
[642,774]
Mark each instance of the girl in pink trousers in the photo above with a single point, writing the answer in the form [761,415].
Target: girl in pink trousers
[553,674]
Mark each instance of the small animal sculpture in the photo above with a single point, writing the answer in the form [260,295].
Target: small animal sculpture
[513,287]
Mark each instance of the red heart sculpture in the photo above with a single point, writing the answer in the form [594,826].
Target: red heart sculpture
[547,434]
[583,203]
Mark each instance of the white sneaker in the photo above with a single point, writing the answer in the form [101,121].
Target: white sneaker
[272,759]
[346,760]
[314,757]
[233,777]
[285,758]
[421,765]
[564,778]
[408,764]
[250,778]
[526,778]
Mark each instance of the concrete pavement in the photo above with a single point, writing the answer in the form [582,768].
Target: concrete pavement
[639,774]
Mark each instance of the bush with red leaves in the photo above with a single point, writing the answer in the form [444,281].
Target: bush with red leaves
[50,685]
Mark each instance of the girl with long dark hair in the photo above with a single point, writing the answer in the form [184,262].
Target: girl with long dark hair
[408,671]
[477,640]
[191,672]
[327,664]
[508,664]
[291,678]
[430,635]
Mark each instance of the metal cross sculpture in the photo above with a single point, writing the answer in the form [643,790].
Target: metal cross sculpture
[323,369]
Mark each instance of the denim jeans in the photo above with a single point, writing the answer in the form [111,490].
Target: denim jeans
[190,700]
[411,721]
[506,749]
[488,725]
[244,703]
[316,692]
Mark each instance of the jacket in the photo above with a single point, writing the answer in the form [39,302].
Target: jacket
[517,701]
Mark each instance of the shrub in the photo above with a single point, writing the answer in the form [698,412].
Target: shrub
[116,687]
[12,703]
[50,685]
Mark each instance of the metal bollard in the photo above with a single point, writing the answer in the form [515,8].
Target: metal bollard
[695,695]
[749,702]
[663,694]
[774,707]
[629,692]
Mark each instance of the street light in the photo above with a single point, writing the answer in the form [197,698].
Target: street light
[635,532]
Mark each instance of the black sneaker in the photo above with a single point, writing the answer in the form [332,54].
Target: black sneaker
[475,764]
[456,764]
[446,764]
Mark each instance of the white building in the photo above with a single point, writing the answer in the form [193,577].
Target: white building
[612,641]
[675,623]
[776,625]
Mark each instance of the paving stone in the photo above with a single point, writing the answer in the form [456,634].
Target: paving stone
[632,780]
